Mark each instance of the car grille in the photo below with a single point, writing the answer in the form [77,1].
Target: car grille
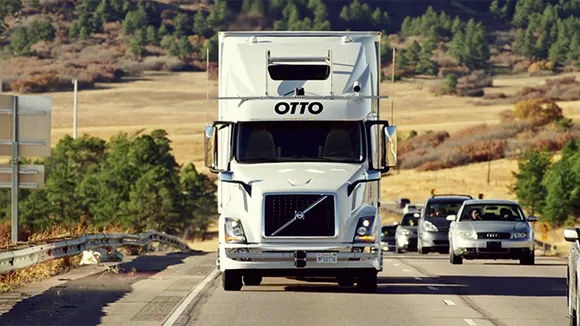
[493,235]
[317,222]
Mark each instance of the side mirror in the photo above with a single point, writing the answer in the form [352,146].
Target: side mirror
[532,219]
[451,218]
[390,145]
[209,142]
[571,234]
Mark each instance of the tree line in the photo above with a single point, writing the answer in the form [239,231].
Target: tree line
[551,190]
[131,180]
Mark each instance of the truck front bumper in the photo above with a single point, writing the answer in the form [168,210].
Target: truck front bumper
[299,260]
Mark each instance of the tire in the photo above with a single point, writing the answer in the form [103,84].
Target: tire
[367,282]
[231,280]
[529,260]
[454,259]
[399,250]
[345,280]
[423,251]
[252,279]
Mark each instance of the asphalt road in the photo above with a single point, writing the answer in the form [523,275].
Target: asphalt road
[413,290]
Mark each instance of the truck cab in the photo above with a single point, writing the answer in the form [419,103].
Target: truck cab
[300,151]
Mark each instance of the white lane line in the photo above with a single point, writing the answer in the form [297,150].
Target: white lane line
[449,302]
[175,315]
[433,288]
[406,270]
[470,322]
[393,264]
[418,278]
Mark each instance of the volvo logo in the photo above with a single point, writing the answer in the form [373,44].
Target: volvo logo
[493,235]
[299,215]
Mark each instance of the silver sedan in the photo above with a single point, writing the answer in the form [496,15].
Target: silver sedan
[491,229]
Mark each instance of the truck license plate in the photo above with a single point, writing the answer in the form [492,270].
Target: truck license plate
[326,258]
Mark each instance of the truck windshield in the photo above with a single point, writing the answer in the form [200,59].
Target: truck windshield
[299,141]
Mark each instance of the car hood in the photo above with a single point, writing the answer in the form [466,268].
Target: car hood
[494,226]
[439,222]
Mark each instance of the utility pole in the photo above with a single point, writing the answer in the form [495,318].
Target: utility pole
[75,112]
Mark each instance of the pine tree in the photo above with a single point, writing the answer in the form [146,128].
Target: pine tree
[528,187]
[559,50]
[494,9]
[574,54]
[152,37]
[407,27]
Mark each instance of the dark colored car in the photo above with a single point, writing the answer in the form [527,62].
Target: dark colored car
[406,236]
[388,237]
[401,202]
[433,224]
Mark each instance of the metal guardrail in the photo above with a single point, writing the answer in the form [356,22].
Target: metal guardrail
[22,258]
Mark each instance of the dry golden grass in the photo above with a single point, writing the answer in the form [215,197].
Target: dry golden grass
[47,269]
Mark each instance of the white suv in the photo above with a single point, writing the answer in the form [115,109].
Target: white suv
[491,229]
[410,208]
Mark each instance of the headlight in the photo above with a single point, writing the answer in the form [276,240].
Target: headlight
[470,235]
[519,235]
[428,226]
[405,233]
[365,230]
[234,231]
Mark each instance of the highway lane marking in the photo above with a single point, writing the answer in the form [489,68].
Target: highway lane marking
[469,322]
[393,264]
[449,302]
[406,270]
[418,278]
[433,288]
[181,308]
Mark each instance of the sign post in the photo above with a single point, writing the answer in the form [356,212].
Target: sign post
[25,130]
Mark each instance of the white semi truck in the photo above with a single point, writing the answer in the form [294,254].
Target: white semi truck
[300,151]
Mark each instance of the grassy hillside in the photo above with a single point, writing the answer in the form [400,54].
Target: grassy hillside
[46,43]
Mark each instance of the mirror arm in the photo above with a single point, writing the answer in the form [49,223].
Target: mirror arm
[247,187]
[353,185]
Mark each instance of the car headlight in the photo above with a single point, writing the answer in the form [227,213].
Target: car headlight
[519,235]
[470,235]
[405,233]
[428,226]
[365,230]
[234,231]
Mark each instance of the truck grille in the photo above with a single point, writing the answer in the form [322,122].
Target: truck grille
[493,235]
[317,222]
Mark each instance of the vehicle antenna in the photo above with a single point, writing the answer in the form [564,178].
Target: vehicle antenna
[393,85]
[207,84]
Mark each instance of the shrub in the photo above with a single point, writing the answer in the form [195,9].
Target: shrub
[521,66]
[540,66]
[540,111]
[473,84]
[44,82]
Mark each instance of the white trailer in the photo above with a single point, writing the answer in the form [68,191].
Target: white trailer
[300,151]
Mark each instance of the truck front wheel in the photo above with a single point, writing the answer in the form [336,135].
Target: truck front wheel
[252,279]
[231,280]
[367,282]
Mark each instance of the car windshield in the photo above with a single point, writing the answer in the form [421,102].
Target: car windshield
[409,220]
[389,231]
[492,212]
[441,209]
[297,141]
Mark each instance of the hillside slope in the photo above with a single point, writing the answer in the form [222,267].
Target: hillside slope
[46,43]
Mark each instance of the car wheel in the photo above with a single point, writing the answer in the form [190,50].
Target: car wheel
[399,250]
[529,260]
[454,259]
